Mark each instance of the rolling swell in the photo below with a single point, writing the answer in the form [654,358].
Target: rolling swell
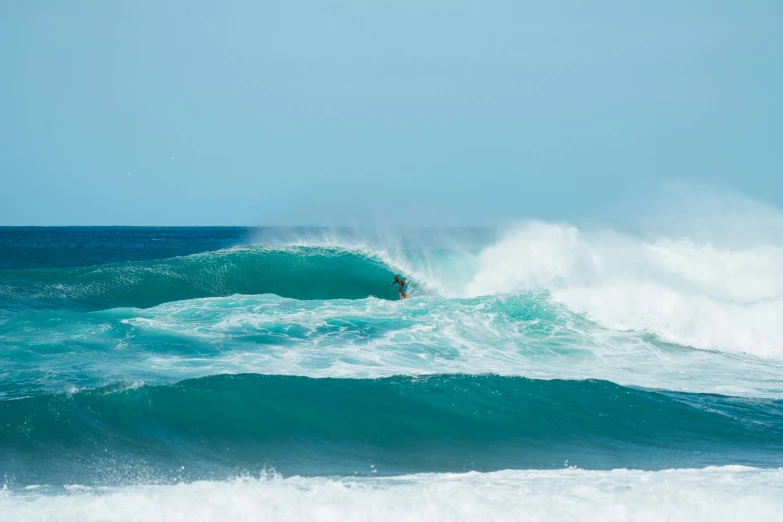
[295,272]
[216,426]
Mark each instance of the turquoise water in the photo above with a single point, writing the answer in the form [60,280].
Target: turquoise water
[156,356]
[295,272]
[237,424]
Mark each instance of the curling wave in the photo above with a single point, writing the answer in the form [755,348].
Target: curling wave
[296,272]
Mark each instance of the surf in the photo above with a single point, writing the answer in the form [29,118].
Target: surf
[696,294]
[714,494]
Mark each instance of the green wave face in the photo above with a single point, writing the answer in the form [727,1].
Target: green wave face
[295,272]
[222,425]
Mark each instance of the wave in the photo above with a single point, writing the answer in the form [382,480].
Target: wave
[683,292]
[713,494]
[699,295]
[706,293]
[296,272]
[217,426]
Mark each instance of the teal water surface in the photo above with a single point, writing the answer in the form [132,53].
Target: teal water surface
[156,356]
[303,426]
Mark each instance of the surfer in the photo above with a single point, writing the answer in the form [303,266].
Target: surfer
[403,289]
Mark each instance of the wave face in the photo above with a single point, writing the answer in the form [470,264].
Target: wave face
[296,272]
[304,426]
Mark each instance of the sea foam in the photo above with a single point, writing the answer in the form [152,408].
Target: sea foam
[687,293]
[712,494]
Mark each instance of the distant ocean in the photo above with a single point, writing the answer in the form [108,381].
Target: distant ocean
[536,373]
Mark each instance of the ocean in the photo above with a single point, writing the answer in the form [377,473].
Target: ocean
[537,372]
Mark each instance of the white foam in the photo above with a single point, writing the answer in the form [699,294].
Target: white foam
[684,318]
[376,338]
[519,336]
[685,293]
[712,494]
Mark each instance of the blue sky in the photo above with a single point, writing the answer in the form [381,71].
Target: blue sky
[370,112]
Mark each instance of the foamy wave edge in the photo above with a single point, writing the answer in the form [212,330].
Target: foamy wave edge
[711,494]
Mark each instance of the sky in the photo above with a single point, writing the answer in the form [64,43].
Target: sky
[425,112]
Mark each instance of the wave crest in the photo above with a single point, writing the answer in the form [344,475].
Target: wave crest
[296,272]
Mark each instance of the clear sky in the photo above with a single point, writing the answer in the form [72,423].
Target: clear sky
[422,112]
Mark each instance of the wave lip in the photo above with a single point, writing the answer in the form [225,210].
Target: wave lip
[295,272]
[218,426]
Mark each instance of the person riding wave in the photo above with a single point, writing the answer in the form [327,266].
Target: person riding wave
[403,289]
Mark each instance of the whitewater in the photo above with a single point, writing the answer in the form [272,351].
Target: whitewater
[538,372]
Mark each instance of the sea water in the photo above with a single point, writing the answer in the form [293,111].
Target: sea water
[535,373]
